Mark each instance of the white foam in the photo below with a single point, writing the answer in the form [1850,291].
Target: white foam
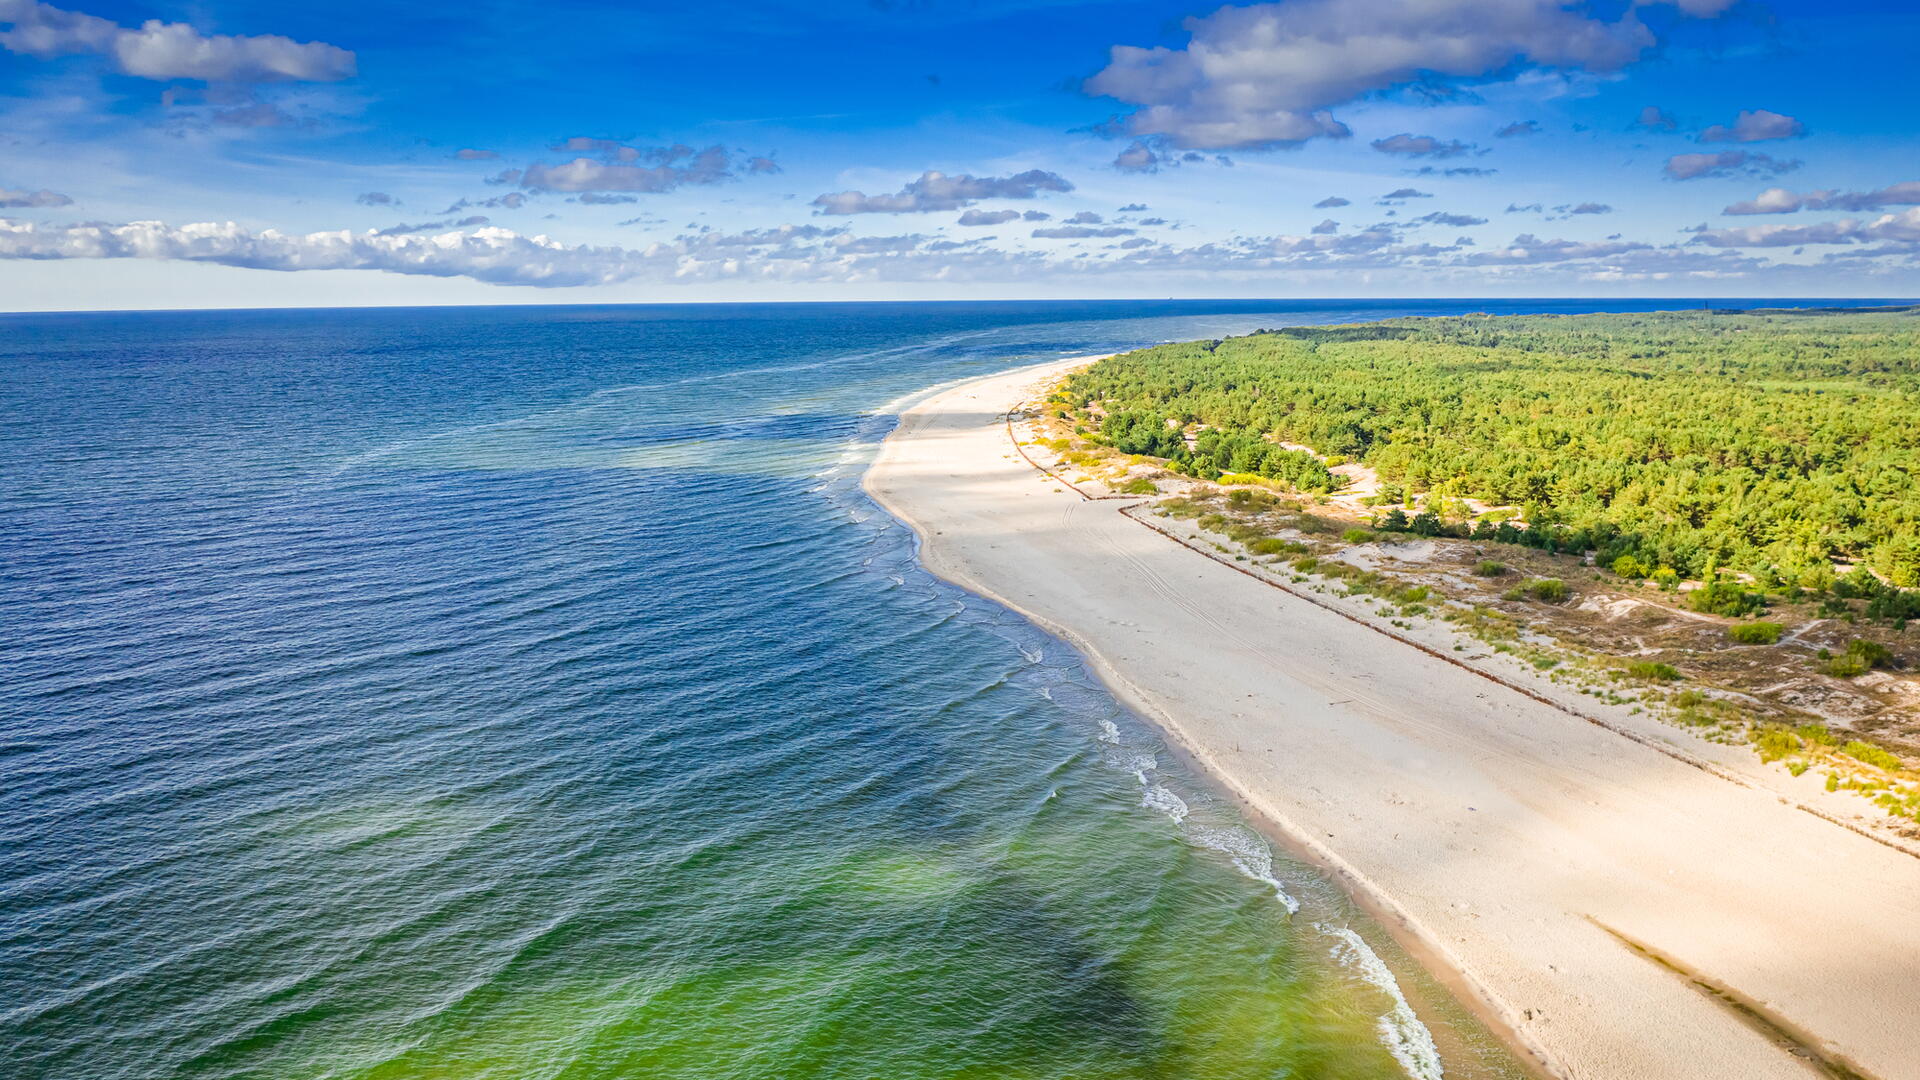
[1159,798]
[1109,731]
[1034,655]
[1250,855]
[1400,1029]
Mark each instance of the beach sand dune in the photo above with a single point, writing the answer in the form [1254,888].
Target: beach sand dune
[1543,859]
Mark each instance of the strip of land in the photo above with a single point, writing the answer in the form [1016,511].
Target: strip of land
[1623,913]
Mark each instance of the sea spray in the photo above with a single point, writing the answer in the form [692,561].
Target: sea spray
[1400,1029]
[1157,797]
[1248,853]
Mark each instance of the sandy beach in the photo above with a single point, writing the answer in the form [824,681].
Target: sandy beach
[1588,889]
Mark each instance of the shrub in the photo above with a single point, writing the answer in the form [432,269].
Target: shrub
[1775,743]
[1870,754]
[1356,536]
[1725,598]
[1306,564]
[1756,633]
[1275,546]
[1652,671]
[1489,568]
[1547,590]
[1871,653]
[1845,667]
[1139,485]
[1816,734]
[1797,766]
[1629,566]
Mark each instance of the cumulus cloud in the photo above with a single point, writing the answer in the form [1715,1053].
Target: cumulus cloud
[1902,228]
[1405,193]
[1408,145]
[1457,221]
[376,198]
[1755,125]
[1268,74]
[1132,208]
[817,253]
[162,50]
[512,200]
[989,217]
[1781,201]
[1526,208]
[32,200]
[1456,170]
[1086,217]
[1517,128]
[619,169]
[1331,201]
[1036,215]
[1078,232]
[938,191]
[1327,227]
[1528,249]
[1584,208]
[1726,163]
[1655,118]
[1137,157]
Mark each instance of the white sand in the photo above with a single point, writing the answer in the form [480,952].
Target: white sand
[1502,832]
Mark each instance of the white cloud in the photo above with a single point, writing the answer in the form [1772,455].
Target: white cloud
[1655,118]
[1781,201]
[161,50]
[938,191]
[1332,201]
[989,217]
[1726,163]
[1078,232]
[1409,145]
[1267,74]
[676,166]
[1518,128]
[471,154]
[1137,157]
[1901,228]
[1755,125]
[35,200]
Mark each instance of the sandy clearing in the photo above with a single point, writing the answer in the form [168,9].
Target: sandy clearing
[1508,836]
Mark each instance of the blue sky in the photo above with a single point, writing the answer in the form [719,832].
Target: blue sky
[225,153]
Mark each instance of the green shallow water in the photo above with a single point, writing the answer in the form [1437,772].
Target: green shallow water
[532,693]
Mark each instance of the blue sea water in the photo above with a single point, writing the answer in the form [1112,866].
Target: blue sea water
[532,692]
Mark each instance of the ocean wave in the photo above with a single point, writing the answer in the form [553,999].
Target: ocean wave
[1400,1029]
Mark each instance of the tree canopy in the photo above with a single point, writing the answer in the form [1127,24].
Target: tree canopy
[1771,442]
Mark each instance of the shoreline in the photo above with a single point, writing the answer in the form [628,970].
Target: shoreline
[1534,867]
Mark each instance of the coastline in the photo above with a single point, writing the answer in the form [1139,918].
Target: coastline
[1584,889]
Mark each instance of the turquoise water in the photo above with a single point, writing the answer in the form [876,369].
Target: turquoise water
[533,693]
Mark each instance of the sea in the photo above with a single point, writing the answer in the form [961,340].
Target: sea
[532,692]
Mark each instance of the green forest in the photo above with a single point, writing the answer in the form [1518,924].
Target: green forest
[1771,443]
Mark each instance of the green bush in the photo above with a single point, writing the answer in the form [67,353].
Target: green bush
[1815,734]
[1356,536]
[1871,653]
[1870,754]
[1629,566]
[1775,743]
[1756,633]
[1139,485]
[1489,568]
[1653,671]
[1547,590]
[1845,667]
[1725,598]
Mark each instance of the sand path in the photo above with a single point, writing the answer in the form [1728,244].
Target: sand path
[1518,844]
